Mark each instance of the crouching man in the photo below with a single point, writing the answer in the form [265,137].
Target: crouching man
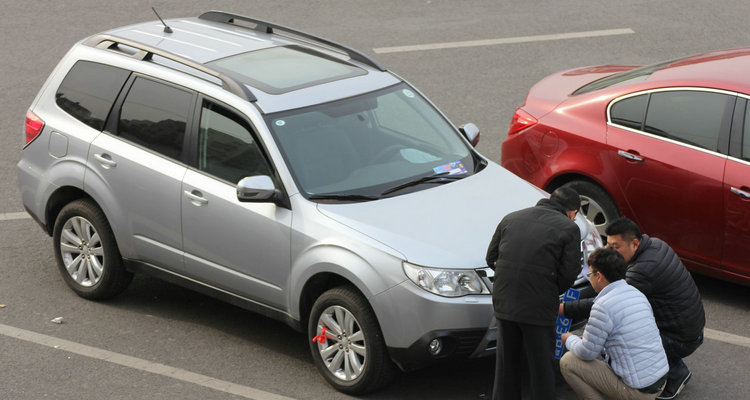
[622,328]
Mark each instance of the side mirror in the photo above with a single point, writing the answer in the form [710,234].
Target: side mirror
[256,189]
[471,133]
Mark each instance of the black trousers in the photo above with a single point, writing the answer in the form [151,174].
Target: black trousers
[676,351]
[536,345]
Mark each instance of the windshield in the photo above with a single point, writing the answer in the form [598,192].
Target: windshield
[368,144]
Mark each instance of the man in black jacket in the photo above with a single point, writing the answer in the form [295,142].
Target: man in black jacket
[656,270]
[536,255]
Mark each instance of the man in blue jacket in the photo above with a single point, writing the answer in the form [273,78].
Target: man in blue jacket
[536,255]
[622,326]
[656,270]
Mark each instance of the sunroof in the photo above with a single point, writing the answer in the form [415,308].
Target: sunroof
[278,70]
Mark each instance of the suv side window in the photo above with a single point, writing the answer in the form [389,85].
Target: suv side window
[629,112]
[691,117]
[227,148]
[155,115]
[746,136]
[88,91]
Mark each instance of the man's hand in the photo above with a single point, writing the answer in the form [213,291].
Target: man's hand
[564,337]
[561,311]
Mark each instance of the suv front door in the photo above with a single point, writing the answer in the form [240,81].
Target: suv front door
[243,248]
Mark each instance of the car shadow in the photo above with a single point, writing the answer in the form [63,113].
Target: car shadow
[447,379]
[724,292]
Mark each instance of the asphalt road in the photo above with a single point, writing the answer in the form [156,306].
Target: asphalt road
[158,341]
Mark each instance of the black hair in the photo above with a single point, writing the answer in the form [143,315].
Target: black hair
[567,197]
[609,262]
[628,229]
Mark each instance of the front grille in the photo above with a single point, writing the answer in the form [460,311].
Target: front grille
[467,342]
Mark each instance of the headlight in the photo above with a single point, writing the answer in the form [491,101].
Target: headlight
[446,282]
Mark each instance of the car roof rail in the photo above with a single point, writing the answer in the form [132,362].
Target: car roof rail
[269,27]
[145,52]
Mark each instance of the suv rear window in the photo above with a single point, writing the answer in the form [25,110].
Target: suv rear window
[155,115]
[88,91]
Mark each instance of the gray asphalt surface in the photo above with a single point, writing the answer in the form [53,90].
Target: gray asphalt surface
[165,324]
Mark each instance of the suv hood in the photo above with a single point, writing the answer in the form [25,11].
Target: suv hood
[444,226]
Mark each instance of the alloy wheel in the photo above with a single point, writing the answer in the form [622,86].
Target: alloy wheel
[341,343]
[82,251]
[594,213]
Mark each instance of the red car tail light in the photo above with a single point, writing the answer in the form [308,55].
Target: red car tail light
[34,126]
[521,120]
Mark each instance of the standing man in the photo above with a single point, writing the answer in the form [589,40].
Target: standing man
[536,255]
[656,270]
[622,326]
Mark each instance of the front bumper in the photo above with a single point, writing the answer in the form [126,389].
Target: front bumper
[455,344]
[410,318]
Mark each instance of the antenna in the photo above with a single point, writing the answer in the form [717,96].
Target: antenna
[167,29]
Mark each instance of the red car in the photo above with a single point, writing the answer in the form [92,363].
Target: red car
[667,145]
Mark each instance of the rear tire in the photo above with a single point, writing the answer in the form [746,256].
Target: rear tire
[596,205]
[353,357]
[87,253]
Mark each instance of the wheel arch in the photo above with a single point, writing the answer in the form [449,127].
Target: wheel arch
[315,286]
[600,207]
[562,179]
[324,266]
[57,200]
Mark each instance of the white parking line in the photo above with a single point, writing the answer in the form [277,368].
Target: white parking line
[139,364]
[726,337]
[207,381]
[492,42]
[14,215]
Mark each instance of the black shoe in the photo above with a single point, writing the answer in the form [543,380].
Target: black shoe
[673,387]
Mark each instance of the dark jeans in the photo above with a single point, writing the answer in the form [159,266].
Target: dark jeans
[676,351]
[535,344]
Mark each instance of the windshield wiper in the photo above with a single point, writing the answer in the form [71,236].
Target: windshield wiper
[441,177]
[342,197]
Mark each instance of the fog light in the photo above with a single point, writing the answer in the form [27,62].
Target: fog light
[435,346]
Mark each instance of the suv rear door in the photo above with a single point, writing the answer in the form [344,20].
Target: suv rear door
[139,169]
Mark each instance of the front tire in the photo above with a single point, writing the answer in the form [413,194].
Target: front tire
[351,352]
[86,252]
[596,205]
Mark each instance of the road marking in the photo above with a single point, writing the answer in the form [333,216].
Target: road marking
[726,337]
[207,381]
[139,364]
[14,215]
[492,42]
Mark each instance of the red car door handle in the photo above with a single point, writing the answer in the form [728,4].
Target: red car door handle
[740,192]
[629,156]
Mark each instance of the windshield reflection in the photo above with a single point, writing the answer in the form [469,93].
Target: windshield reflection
[367,144]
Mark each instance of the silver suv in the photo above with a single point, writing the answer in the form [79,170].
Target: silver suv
[276,170]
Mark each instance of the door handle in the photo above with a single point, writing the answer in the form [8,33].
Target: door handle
[629,156]
[196,198]
[106,160]
[740,192]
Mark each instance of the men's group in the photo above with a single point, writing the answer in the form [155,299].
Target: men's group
[644,310]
